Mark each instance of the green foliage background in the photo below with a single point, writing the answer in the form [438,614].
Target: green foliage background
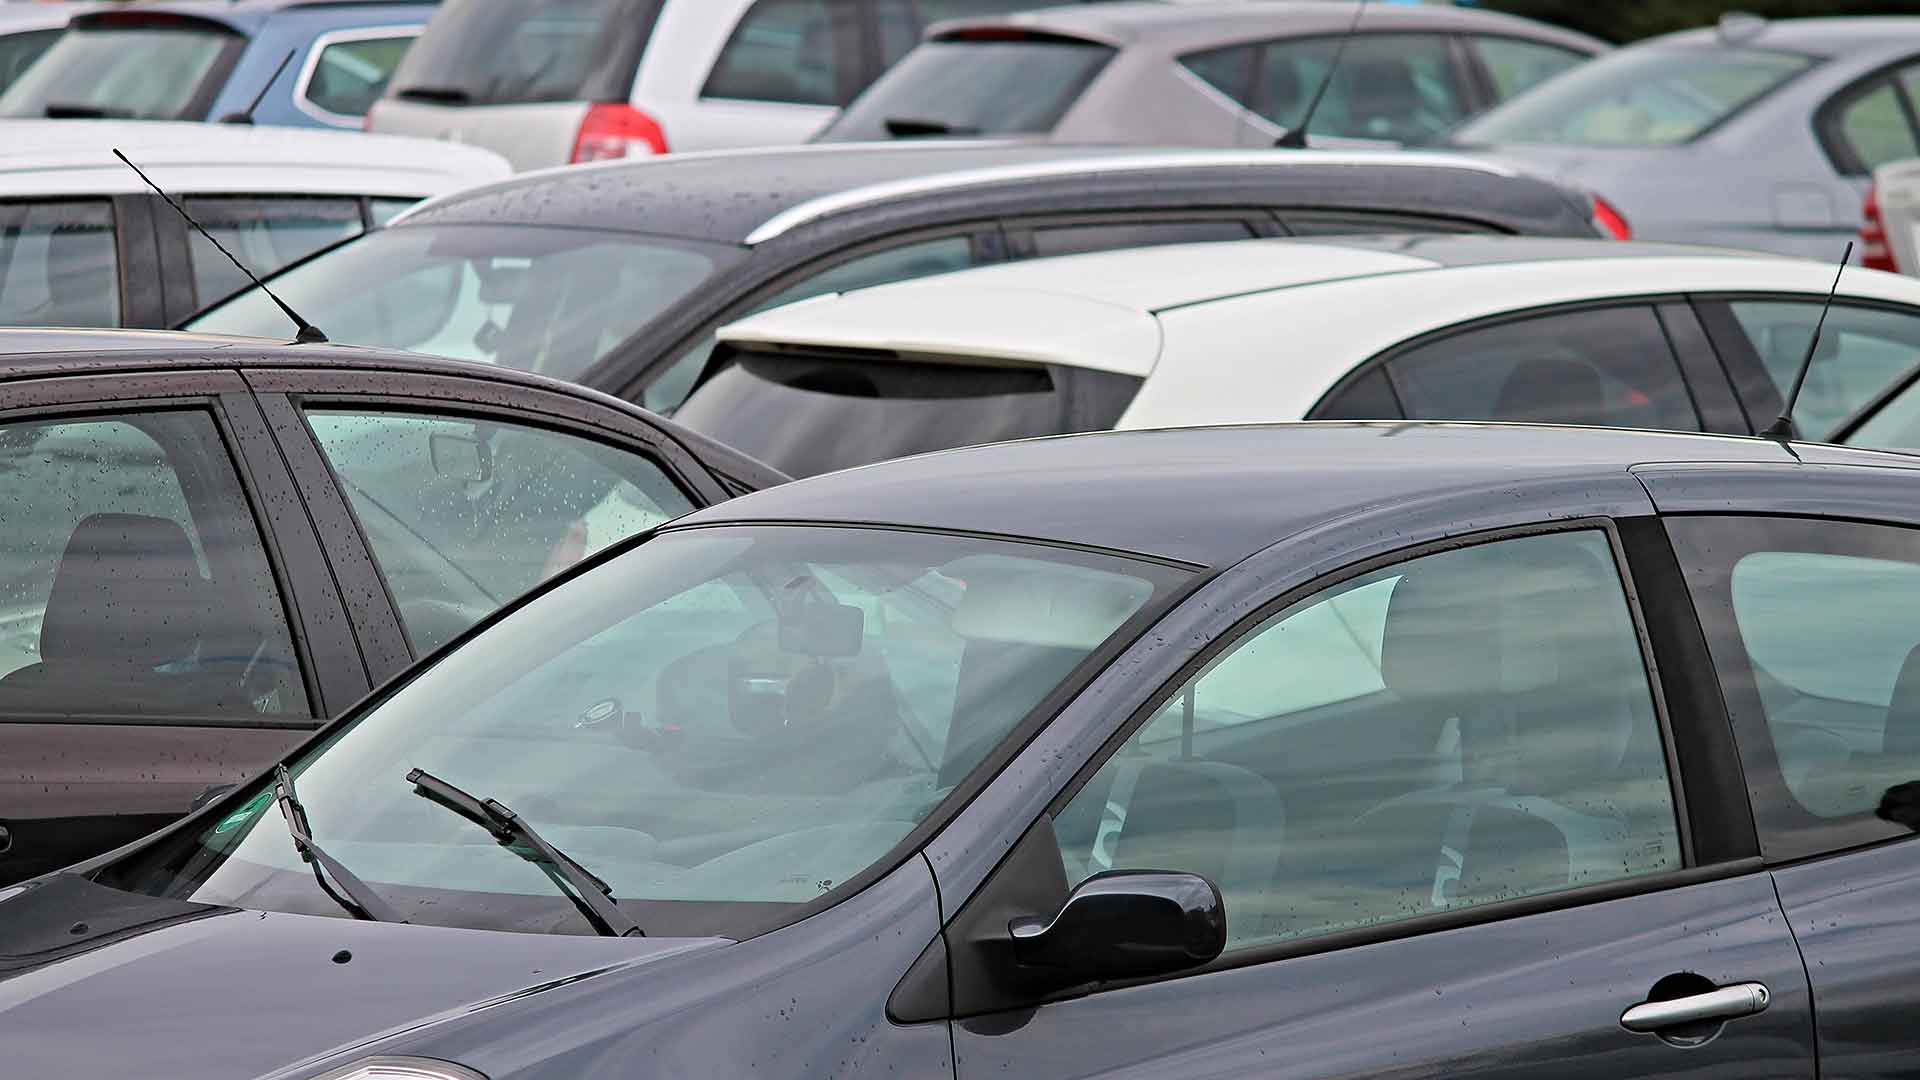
[1626,20]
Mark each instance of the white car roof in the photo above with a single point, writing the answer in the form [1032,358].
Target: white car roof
[1259,330]
[75,157]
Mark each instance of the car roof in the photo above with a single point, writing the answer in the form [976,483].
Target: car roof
[1818,36]
[21,18]
[75,157]
[1213,496]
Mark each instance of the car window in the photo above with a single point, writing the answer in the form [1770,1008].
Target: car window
[973,86]
[349,75]
[58,265]
[484,52]
[1516,64]
[134,580]
[1609,366]
[789,51]
[381,211]
[265,233]
[1873,128]
[1112,235]
[1862,352]
[19,51]
[1814,627]
[1388,86]
[101,69]
[1369,397]
[1459,729]
[464,515]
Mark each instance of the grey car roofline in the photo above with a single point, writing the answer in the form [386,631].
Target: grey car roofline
[813,209]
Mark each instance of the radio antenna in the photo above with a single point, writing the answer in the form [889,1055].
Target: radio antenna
[1781,429]
[1295,137]
[245,116]
[305,333]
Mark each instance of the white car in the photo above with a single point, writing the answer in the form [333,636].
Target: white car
[83,242]
[1419,327]
[548,82]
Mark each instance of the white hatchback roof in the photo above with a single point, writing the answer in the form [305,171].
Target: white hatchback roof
[75,157]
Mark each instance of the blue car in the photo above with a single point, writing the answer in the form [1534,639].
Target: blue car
[208,61]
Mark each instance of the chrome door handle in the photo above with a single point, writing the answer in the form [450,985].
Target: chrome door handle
[1725,1003]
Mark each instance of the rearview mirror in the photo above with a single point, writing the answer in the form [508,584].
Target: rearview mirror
[1126,924]
[460,457]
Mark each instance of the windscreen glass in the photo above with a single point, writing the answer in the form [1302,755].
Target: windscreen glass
[1638,97]
[969,87]
[537,299]
[135,71]
[489,52]
[719,723]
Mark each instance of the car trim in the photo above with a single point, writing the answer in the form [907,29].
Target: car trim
[312,64]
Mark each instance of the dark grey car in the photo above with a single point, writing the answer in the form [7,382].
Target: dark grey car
[1338,749]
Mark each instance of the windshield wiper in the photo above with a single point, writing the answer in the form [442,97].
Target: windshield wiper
[361,902]
[443,95]
[592,896]
[73,110]
[907,127]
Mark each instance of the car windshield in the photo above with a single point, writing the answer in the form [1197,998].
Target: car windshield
[968,87]
[720,723]
[1638,97]
[137,71]
[484,52]
[550,300]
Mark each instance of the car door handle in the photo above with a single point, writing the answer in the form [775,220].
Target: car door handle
[1726,1003]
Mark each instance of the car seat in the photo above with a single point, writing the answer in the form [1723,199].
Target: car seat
[1552,389]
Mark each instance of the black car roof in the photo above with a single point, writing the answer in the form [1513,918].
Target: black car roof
[1213,496]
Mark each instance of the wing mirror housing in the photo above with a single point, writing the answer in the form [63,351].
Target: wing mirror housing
[1126,924]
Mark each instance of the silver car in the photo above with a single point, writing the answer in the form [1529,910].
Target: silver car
[1752,133]
[1214,74]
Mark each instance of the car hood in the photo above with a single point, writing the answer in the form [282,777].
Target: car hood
[93,979]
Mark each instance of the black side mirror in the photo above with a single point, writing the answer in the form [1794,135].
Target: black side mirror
[1126,924]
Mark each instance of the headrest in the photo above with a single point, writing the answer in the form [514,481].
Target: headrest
[1055,606]
[1554,390]
[1441,639]
[1903,712]
[128,590]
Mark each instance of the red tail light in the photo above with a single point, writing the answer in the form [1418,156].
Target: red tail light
[1875,254]
[612,131]
[1610,220]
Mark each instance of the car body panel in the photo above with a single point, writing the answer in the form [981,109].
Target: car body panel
[529,136]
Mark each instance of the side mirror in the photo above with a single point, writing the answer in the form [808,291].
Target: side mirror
[1126,924]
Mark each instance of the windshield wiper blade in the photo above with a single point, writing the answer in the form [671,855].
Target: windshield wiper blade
[907,127]
[73,110]
[361,902]
[592,896]
[443,95]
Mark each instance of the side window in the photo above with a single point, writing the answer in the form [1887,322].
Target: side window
[1369,397]
[1607,366]
[1862,352]
[1515,64]
[1112,235]
[135,581]
[790,51]
[1463,728]
[58,265]
[919,259]
[382,211]
[463,515]
[1388,86]
[349,75]
[1814,627]
[1869,128]
[1229,70]
[264,233]
[19,51]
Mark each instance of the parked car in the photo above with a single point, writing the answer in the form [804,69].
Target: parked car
[1216,74]
[1753,134]
[187,60]
[547,82]
[1416,327]
[83,242]
[617,276]
[212,545]
[1169,753]
[27,30]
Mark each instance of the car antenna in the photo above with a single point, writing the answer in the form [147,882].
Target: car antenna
[305,333]
[1781,430]
[245,116]
[1295,137]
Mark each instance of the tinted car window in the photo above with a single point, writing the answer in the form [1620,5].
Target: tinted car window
[789,50]
[1107,236]
[973,87]
[134,580]
[1873,128]
[18,51]
[1611,367]
[464,515]
[1388,86]
[1460,729]
[482,52]
[1516,64]
[266,234]
[58,265]
[349,76]
[140,72]
[1862,352]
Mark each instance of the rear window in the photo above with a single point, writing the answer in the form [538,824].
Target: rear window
[974,86]
[58,266]
[812,413]
[144,68]
[484,52]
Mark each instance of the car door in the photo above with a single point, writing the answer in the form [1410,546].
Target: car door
[1437,792]
[166,622]
[1866,350]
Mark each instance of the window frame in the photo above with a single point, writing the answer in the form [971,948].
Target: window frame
[1752,384]
[1827,130]
[261,203]
[136,290]
[311,65]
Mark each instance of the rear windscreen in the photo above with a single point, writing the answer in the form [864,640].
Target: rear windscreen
[486,52]
[970,86]
[127,68]
[807,414]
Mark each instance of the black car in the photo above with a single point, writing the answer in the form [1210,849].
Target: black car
[211,546]
[1356,749]
[617,276]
